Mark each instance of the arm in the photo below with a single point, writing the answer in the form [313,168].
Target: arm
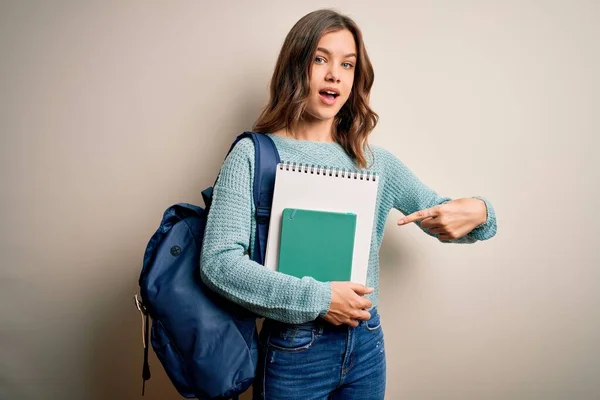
[410,195]
[225,266]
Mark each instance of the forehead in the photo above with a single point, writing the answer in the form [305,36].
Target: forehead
[339,42]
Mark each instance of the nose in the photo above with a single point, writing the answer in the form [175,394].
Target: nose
[332,75]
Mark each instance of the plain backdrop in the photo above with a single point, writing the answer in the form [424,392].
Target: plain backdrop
[110,111]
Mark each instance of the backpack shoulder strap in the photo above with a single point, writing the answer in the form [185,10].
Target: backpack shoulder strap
[266,158]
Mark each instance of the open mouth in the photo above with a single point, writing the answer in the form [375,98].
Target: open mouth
[329,94]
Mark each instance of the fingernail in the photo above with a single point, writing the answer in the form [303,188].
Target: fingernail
[400,222]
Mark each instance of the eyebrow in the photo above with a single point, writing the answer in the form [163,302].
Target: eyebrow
[324,50]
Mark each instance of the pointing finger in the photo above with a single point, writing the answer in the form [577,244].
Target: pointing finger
[418,216]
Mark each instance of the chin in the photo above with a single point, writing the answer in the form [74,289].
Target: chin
[322,114]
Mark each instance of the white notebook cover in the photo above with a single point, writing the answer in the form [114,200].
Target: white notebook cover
[318,188]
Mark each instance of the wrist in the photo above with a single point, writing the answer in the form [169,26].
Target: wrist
[326,299]
[483,211]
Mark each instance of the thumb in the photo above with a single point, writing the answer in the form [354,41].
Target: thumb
[361,289]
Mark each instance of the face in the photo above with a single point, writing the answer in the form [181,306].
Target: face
[332,74]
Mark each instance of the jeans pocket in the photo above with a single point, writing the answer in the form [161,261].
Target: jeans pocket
[373,324]
[291,338]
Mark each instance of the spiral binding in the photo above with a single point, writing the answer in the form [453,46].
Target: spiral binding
[327,171]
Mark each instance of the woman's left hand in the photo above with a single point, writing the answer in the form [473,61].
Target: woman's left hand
[451,220]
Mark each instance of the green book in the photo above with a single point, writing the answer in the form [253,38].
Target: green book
[316,243]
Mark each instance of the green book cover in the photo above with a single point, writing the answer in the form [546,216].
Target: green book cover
[317,243]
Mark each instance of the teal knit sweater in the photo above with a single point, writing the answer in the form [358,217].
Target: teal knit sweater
[225,264]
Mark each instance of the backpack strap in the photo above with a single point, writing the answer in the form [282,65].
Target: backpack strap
[266,158]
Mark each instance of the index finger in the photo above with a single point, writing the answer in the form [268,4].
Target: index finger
[418,216]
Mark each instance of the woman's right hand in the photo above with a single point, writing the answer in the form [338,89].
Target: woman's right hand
[348,304]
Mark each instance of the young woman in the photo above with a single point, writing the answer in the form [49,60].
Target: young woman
[322,340]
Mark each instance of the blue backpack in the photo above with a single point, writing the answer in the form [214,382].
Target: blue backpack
[207,345]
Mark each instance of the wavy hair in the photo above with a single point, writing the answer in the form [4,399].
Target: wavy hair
[290,86]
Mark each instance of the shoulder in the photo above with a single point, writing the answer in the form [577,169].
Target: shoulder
[243,151]
[238,165]
[385,160]
[241,156]
[379,151]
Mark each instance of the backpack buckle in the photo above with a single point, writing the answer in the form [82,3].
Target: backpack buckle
[263,214]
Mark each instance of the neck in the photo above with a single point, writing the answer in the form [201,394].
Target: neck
[315,130]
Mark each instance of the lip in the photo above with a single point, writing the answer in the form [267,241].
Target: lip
[326,100]
[330,89]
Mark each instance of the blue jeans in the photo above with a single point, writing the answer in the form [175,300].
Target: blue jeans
[318,361]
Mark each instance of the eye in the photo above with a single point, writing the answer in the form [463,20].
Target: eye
[317,58]
[347,65]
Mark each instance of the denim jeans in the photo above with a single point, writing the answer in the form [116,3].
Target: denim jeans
[318,361]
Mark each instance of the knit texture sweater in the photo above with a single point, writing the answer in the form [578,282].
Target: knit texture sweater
[225,263]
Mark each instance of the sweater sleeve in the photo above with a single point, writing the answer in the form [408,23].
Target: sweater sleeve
[225,265]
[410,195]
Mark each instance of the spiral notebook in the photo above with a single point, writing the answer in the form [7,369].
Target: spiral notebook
[325,189]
